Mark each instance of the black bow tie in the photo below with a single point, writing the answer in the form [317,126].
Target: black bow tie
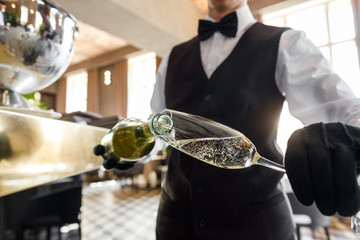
[227,26]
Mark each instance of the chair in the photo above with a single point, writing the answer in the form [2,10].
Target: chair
[317,219]
[53,209]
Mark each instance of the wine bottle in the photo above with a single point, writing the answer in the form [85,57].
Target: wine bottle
[131,139]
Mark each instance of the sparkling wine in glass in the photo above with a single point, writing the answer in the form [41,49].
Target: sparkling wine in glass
[209,141]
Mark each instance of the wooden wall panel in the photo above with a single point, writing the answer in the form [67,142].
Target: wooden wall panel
[107,93]
[93,91]
[120,85]
[61,95]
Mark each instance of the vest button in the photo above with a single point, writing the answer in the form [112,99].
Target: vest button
[200,189]
[208,97]
[202,223]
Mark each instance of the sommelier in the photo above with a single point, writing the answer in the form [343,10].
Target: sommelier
[238,72]
[2,14]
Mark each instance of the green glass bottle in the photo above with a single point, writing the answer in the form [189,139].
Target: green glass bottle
[131,139]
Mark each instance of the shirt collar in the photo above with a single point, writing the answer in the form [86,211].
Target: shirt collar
[245,18]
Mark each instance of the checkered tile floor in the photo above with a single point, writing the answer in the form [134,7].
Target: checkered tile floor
[111,211]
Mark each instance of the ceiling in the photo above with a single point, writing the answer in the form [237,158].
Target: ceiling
[92,42]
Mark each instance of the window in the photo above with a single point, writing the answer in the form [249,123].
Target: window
[24,14]
[332,30]
[141,80]
[76,92]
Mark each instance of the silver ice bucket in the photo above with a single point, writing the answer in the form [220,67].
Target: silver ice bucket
[36,46]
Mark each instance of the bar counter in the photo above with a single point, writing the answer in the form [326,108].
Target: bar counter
[35,150]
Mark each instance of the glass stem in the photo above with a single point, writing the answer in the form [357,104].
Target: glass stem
[270,164]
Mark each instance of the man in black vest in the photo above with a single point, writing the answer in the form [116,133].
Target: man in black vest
[2,13]
[238,72]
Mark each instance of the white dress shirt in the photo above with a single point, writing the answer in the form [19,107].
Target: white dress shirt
[2,17]
[314,92]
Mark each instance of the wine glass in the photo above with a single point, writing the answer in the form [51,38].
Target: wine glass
[209,141]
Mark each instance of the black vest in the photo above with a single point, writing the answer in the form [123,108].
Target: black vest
[242,94]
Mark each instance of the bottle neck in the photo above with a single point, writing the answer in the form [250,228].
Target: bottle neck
[160,124]
[144,131]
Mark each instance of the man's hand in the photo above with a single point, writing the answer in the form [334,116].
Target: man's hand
[110,161]
[321,163]
[109,164]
